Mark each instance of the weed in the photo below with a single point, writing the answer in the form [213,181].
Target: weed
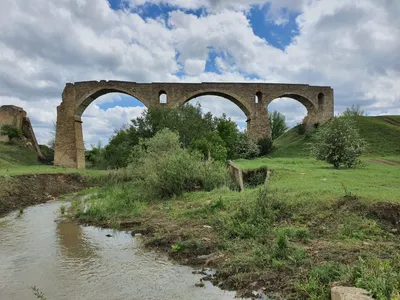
[20,212]
[62,209]
[178,247]
[217,205]
[317,284]
[38,293]
[115,224]
[360,228]
[380,277]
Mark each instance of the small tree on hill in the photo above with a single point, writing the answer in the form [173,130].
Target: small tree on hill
[277,124]
[354,111]
[338,143]
[11,132]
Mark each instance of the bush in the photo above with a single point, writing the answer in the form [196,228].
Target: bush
[245,148]
[354,111]
[163,169]
[338,143]
[266,146]
[300,128]
[11,132]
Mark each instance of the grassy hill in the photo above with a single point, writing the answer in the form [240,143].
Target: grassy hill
[12,155]
[381,133]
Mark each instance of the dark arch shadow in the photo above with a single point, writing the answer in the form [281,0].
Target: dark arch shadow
[231,98]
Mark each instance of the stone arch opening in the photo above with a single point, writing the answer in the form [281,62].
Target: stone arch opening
[258,97]
[162,97]
[108,113]
[321,100]
[219,105]
[243,107]
[88,98]
[297,110]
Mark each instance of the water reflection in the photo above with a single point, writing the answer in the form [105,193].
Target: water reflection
[73,243]
[67,261]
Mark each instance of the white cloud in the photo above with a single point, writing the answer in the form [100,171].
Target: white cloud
[194,67]
[349,45]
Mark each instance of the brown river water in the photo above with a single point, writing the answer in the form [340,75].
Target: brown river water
[69,261]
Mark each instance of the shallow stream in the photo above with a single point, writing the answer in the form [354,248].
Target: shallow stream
[70,261]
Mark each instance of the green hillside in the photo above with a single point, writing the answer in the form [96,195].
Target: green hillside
[12,155]
[381,133]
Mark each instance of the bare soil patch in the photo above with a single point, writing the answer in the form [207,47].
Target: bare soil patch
[25,190]
[384,162]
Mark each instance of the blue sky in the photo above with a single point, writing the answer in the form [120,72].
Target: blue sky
[278,35]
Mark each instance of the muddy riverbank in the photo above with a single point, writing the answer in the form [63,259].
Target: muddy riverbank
[18,192]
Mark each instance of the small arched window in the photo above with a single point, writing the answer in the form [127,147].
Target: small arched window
[258,97]
[321,99]
[162,95]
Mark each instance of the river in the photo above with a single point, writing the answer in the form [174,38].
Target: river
[70,261]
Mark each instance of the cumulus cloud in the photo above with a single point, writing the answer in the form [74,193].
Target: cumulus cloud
[349,45]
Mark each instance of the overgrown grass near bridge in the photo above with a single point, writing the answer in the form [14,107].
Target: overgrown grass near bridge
[309,226]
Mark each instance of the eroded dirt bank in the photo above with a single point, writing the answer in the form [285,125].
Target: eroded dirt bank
[21,191]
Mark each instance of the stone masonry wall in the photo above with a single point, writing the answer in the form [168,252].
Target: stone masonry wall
[77,96]
[17,117]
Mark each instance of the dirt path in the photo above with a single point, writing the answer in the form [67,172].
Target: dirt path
[384,162]
[391,121]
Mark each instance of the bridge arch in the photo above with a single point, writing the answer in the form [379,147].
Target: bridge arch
[311,106]
[227,95]
[84,101]
[251,98]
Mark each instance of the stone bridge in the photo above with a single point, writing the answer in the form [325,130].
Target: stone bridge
[252,98]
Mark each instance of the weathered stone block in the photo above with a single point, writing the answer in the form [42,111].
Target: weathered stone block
[349,293]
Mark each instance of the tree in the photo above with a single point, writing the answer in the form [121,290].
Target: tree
[354,111]
[338,143]
[11,132]
[211,146]
[277,124]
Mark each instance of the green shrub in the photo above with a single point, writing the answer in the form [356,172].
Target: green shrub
[380,277]
[245,147]
[338,143]
[11,132]
[354,111]
[255,219]
[164,169]
[300,128]
[266,146]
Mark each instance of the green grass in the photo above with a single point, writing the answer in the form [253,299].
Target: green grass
[383,139]
[309,226]
[307,178]
[18,160]
[12,155]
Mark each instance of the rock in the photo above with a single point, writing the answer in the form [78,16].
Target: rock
[207,226]
[349,293]
[108,235]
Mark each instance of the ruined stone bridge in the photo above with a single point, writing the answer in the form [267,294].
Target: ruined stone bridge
[252,98]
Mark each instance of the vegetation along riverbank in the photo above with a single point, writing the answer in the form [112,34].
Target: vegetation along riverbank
[307,227]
